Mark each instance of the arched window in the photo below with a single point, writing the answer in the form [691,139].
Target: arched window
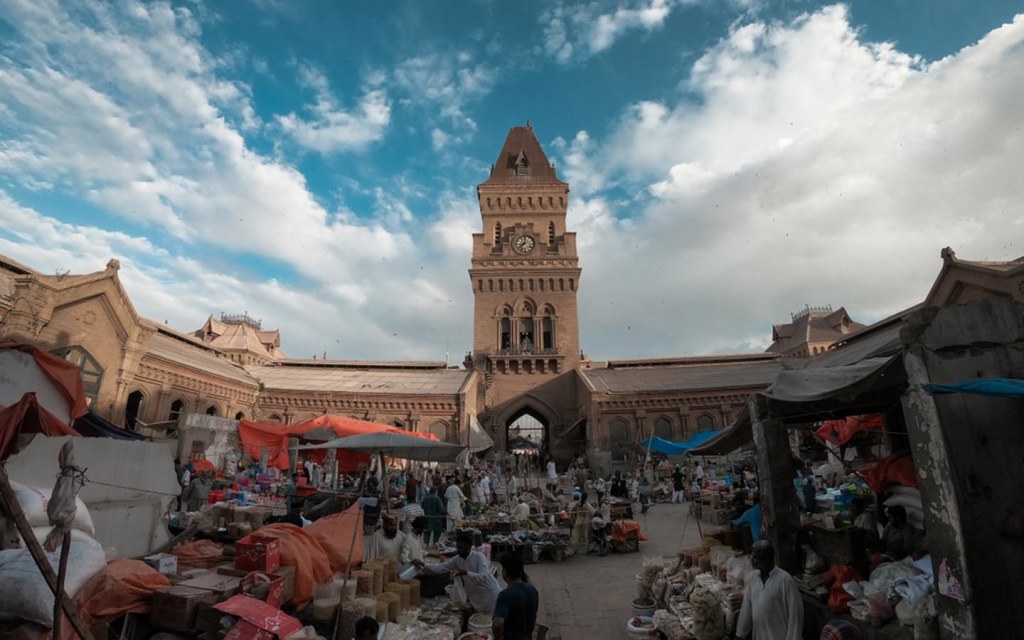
[240,415]
[132,409]
[705,422]
[497,233]
[490,285]
[439,430]
[663,428]
[501,285]
[479,285]
[505,339]
[551,284]
[211,410]
[92,372]
[572,284]
[547,333]
[176,408]
[618,431]
[541,283]
[551,233]
[527,343]
[275,418]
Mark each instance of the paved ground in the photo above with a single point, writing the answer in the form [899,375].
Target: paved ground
[589,597]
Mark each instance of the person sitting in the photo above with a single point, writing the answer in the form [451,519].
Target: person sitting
[387,541]
[751,517]
[897,536]
[864,519]
[412,547]
[367,628]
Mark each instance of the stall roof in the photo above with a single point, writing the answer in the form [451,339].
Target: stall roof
[393,444]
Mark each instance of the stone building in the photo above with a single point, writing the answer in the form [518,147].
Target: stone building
[527,364]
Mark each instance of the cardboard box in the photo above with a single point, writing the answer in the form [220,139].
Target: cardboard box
[222,586]
[258,553]
[164,563]
[286,573]
[259,620]
[175,608]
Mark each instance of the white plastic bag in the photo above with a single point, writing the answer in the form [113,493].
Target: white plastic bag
[459,596]
[33,501]
[24,594]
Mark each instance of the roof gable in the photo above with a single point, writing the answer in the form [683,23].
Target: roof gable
[522,161]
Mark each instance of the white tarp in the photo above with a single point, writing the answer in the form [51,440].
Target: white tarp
[20,374]
[478,438]
[129,486]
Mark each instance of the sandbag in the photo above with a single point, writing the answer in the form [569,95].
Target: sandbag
[24,594]
[33,501]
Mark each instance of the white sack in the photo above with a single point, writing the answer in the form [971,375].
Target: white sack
[24,594]
[33,501]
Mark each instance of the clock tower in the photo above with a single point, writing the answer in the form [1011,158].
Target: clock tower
[525,273]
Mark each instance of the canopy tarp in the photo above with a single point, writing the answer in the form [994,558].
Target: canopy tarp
[478,438]
[56,382]
[735,436]
[92,426]
[394,444]
[841,431]
[27,416]
[1003,387]
[273,436]
[669,448]
[823,383]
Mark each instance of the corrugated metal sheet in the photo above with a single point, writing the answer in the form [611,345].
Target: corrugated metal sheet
[683,378]
[344,379]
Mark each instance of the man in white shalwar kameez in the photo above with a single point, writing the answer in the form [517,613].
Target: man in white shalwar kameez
[474,570]
[772,608]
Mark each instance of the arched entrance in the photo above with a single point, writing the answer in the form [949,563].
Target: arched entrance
[132,409]
[527,431]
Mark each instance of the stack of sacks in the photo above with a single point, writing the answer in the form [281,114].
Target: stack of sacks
[910,499]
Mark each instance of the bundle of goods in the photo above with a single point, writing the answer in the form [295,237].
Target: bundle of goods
[669,623]
[641,627]
[414,591]
[364,582]
[378,569]
[910,499]
[708,621]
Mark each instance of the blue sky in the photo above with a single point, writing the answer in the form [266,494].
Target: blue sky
[314,163]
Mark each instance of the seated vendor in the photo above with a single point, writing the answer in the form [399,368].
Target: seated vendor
[386,541]
[473,569]
[752,517]
[412,546]
[897,536]
[864,519]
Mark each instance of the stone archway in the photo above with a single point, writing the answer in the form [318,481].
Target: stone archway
[537,409]
[527,429]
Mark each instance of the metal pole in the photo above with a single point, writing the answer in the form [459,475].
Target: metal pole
[348,572]
[62,572]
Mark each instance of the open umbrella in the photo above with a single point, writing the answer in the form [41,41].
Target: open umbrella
[393,445]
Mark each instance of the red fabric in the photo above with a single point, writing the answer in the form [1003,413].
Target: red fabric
[624,530]
[335,535]
[28,416]
[839,598]
[896,469]
[274,437]
[840,431]
[259,614]
[203,464]
[64,374]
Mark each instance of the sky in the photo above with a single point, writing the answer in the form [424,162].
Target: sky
[314,163]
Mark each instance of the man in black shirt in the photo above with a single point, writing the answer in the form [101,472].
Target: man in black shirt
[515,614]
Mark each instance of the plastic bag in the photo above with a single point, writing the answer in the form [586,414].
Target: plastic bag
[812,561]
[34,500]
[458,593]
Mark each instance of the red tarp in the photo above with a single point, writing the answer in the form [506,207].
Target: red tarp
[274,437]
[840,431]
[28,416]
[65,375]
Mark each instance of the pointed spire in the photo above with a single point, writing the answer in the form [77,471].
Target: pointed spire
[521,147]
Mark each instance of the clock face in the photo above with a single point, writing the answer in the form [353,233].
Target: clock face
[523,244]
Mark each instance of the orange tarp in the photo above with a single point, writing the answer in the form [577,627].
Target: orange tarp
[28,416]
[302,550]
[65,375]
[274,436]
[335,536]
[896,469]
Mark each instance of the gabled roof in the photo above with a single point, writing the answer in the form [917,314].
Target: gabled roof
[284,376]
[961,280]
[181,350]
[812,326]
[521,146]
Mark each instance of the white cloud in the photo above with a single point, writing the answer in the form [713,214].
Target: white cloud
[448,82]
[814,168]
[579,31]
[332,129]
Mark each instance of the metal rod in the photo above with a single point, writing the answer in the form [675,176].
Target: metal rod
[348,572]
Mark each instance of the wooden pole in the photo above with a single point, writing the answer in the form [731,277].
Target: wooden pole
[14,508]
[348,572]
[62,573]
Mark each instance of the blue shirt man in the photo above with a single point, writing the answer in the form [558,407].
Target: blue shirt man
[751,516]
[515,612]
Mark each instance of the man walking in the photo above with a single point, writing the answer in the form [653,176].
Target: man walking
[677,485]
[772,608]
[515,614]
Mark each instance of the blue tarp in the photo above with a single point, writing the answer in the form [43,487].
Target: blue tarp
[92,426]
[669,448]
[1005,387]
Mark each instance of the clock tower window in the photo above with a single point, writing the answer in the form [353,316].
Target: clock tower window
[551,233]
[497,233]
[547,333]
[506,334]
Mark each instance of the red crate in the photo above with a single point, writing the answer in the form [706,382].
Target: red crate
[258,553]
